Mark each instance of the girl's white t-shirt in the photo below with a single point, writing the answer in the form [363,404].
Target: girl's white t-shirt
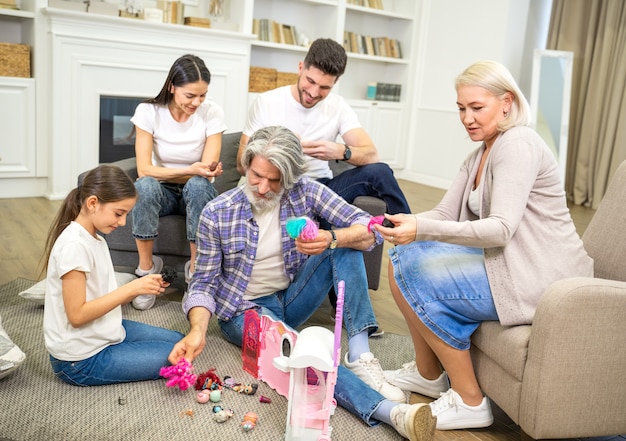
[76,249]
[177,144]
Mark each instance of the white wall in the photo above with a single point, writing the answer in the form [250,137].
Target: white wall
[453,35]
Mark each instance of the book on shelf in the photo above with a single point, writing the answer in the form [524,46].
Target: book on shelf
[386,91]
[368,45]
[375,4]
[275,32]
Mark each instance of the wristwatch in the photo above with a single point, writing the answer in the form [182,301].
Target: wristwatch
[333,242]
[347,153]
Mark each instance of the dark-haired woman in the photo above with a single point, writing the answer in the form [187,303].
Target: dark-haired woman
[178,144]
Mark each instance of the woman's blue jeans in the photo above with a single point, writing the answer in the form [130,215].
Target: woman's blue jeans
[139,357]
[295,305]
[158,199]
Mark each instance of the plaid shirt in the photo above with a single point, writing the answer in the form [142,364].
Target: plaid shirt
[227,242]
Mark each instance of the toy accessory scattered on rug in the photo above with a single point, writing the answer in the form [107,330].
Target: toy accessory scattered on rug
[313,374]
[301,227]
[180,375]
[249,421]
[379,220]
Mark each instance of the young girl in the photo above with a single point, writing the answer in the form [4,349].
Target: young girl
[178,145]
[88,341]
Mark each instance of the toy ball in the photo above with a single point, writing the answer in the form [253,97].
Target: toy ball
[215,395]
[202,397]
[301,227]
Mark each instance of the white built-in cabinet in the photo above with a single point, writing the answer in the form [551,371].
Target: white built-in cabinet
[17,101]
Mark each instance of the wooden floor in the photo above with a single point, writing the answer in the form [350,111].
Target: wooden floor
[24,229]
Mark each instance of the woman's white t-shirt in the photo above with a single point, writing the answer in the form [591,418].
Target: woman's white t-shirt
[178,144]
[76,249]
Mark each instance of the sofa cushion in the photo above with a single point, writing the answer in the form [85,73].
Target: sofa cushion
[228,157]
[506,345]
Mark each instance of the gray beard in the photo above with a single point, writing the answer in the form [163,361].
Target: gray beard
[270,201]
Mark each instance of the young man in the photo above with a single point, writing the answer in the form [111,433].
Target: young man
[317,117]
[246,259]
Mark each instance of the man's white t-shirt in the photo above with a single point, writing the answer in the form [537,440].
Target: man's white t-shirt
[76,249]
[268,272]
[179,144]
[325,121]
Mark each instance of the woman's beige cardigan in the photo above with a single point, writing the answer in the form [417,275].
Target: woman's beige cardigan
[525,228]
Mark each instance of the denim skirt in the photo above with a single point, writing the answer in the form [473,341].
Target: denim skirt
[446,286]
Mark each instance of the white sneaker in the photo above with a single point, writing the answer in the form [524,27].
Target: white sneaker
[147,301]
[415,422]
[452,413]
[11,356]
[368,369]
[408,378]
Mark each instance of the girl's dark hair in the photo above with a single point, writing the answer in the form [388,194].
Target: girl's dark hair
[107,182]
[187,69]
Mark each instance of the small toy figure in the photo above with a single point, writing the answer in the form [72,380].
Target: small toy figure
[301,227]
[208,380]
[180,375]
[249,421]
[248,389]
[223,415]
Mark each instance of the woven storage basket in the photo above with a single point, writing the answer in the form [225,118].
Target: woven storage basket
[262,79]
[14,60]
[286,78]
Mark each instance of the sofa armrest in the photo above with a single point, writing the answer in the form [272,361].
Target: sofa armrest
[574,383]
[128,165]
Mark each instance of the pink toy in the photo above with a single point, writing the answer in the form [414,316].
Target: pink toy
[301,227]
[379,220]
[313,366]
[180,375]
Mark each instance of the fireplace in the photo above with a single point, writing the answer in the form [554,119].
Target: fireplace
[117,133]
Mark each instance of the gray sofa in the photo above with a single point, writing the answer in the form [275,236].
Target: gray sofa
[171,243]
[563,376]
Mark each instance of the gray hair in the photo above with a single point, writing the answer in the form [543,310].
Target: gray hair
[281,147]
[496,78]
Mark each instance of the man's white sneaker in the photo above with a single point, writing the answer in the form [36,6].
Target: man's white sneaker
[452,413]
[368,369]
[147,301]
[408,378]
[414,421]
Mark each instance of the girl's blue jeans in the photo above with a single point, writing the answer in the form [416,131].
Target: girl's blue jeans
[295,305]
[158,199]
[139,357]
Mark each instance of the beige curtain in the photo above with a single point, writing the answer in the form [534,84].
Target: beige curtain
[595,30]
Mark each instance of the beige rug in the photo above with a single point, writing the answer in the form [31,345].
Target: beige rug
[35,405]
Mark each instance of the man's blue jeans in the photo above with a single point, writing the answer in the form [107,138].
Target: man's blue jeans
[370,180]
[295,305]
[139,357]
[158,199]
